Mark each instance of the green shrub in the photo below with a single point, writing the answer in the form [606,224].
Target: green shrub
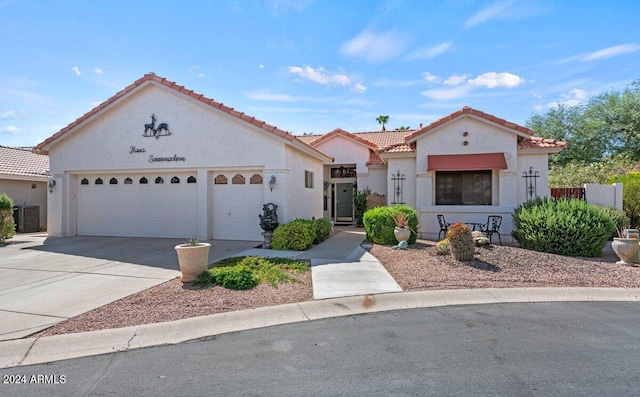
[619,218]
[379,224]
[7,225]
[630,195]
[360,203]
[323,229]
[565,227]
[233,273]
[296,235]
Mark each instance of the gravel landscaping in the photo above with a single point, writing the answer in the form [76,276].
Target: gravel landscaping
[418,268]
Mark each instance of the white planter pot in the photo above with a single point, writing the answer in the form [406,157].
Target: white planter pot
[626,249]
[193,260]
[402,233]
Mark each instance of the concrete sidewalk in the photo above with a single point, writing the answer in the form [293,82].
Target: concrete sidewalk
[60,347]
[340,266]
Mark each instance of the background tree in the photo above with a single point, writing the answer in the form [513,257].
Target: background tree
[382,120]
[403,128]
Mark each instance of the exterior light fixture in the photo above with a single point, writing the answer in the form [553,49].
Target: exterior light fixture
[52,184]
[272,182]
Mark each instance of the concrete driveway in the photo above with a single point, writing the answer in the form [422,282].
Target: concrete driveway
[44,281]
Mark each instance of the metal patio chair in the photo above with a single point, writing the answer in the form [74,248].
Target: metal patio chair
[493,227]
[444,226]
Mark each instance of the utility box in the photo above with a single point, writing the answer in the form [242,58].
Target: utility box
[27,218]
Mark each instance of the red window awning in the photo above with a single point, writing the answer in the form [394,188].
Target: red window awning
[466,162]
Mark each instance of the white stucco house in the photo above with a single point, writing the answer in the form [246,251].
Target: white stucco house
[159,160]
[23,177]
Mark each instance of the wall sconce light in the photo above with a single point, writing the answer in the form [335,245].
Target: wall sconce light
[52,184]
[272,182]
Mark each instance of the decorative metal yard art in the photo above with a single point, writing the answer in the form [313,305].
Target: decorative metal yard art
[398,184]
[268,223]
[150,129]
[530,182]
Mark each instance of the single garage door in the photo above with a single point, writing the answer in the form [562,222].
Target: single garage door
[138,205]
[237,202]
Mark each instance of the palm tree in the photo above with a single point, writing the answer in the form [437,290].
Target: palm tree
[382,120]
[403,128]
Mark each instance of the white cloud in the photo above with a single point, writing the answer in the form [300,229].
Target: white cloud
[359,88]
[97,71]
[269,97]
[508,9]
[375,47]
[445,94]
[395,83]
[76,70]
[611,52]
[455,79]
[10,129]
[575,97]
[9,114]
[493,80]
[429,78]
[430,52]
[320,76]
[202,75]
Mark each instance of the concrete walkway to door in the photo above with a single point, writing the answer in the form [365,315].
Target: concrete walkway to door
[44,281]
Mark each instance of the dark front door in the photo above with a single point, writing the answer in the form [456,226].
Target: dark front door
[344,202]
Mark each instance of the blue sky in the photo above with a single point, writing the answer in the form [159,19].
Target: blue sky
[313,66]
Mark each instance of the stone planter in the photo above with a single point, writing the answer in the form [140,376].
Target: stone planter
[626,249]
[402,233]
[193,260]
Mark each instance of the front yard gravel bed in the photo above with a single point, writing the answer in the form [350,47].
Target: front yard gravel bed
[417,268]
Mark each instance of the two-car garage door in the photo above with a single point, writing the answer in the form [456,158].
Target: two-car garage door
[150,205]
[166,205]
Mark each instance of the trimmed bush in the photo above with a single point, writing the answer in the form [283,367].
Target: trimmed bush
[379,224]
[296,235]
[238,277]
[7,225]
[323,229]
[564,227]
[630,195]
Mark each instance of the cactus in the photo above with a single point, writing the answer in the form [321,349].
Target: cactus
[461,242]
[442,247]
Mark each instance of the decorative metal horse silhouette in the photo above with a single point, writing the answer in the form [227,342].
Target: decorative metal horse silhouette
[151,130]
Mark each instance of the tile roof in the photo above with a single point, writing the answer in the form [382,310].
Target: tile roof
[151,77]
[22,161]
[469,111]
[536,142]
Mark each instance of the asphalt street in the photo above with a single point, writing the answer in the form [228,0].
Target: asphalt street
[526,349]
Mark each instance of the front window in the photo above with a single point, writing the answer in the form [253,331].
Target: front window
[463,187]
[308,179]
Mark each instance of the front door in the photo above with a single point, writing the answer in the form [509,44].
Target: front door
[344,202]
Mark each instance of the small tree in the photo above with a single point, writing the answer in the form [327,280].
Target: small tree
[7,225]
[630,195]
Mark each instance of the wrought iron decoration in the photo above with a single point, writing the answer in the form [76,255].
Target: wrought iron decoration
[150,129]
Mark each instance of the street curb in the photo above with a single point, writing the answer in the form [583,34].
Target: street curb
[30,351]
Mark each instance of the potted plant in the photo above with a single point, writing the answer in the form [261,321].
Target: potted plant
[626,249]
[193,258]
[402,231]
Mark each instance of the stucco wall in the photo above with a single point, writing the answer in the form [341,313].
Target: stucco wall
[405,166]
[482,137]
[300,201]
[533,162]
[23,194]
[346,151]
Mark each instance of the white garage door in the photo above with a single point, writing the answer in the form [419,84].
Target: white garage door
[237,202]
[138,205]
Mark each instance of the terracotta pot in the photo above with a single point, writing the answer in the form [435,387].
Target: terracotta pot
[402,233]
[626,249]
[193,260]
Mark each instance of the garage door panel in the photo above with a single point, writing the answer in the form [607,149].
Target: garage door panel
[236,209]
[137,210]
